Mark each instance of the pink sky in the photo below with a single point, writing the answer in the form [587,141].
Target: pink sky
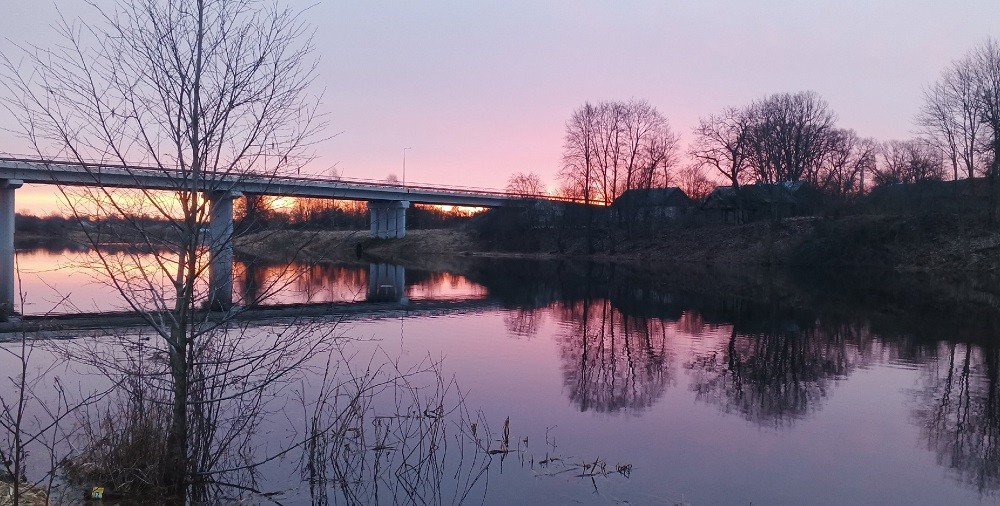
[480,90]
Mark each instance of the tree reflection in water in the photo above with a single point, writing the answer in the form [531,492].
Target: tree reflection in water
[612,362]
[958,412]
[780,373]
[522,322]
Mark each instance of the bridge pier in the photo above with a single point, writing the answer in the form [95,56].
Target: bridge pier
[220,243]
[8,296]
[386,283]
[388,218]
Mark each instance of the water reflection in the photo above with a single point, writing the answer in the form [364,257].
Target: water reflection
[773,350]
[261,283]
[777,373]
[958,412]
[612,362]
[386,283]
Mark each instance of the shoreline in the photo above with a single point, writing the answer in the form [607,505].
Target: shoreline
[939,245]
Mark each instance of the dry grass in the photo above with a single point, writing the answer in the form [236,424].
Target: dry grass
[30,496]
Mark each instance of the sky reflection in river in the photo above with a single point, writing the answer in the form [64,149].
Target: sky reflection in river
[712,398]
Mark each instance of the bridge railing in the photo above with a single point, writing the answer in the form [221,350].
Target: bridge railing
[290,179]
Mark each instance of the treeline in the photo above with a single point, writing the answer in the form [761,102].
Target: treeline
[264,212]
[615,146]
[253,212]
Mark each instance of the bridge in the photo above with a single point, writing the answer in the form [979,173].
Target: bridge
[385,298]
[387,203]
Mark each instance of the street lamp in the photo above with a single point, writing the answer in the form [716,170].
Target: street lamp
[404,165]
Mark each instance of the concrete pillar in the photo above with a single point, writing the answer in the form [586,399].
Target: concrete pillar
[390,222]
[8,296]
[386,283]
[373,218]
[220,243]
[400,209]
[388,218]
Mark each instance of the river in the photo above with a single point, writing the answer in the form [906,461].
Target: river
[616,385]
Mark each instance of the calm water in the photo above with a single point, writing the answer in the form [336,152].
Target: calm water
[762,388]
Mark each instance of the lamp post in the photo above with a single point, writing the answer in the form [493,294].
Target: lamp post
[404,165]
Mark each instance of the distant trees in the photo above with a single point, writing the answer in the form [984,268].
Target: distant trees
[692,180]
[525,185]
[789,136]
[784,137]
[848,158]
[908,162]
[612,147]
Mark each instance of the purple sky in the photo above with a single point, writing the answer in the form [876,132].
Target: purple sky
[480,90]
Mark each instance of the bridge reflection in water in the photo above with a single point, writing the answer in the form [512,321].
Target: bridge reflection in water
[387,283]
[265,284]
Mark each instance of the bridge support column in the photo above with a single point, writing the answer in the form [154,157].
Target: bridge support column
[388,218]
[220,243]
[8,296]
[386,283]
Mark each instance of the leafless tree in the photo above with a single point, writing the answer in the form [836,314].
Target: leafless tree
[789,136]
[908,162]
[525,185]
[962,116]
[986,78]
[952,117]
[580,153]
[613,147]
[722,142]
[211,91]
[847,160]
[693,181]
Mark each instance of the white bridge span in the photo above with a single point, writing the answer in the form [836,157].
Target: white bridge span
[387,203]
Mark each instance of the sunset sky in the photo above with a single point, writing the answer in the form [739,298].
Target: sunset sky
[480,90]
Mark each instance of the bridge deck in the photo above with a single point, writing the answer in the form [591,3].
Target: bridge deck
[151,178]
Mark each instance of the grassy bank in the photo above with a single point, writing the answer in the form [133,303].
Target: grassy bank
[927,244]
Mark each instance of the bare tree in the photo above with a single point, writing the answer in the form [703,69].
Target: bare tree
[952,117]
[692,180]
[962,116]
[617,146]
[580,161]
[525,185]
[908,162]
[722,143]
[211,92]
[580,153]
[847,160]
[986,79]
[789,136]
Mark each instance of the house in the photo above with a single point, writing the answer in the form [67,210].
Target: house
[964,196]
[752,202]
[809,200]
[650,205]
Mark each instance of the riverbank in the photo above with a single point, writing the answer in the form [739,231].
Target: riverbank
[905,244]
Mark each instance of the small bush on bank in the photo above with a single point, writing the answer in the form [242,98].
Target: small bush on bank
[123,450]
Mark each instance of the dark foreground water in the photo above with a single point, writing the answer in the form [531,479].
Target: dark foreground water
[618,386]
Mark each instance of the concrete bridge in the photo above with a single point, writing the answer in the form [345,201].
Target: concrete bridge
[387,203]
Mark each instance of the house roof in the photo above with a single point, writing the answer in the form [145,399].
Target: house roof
[753,195]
